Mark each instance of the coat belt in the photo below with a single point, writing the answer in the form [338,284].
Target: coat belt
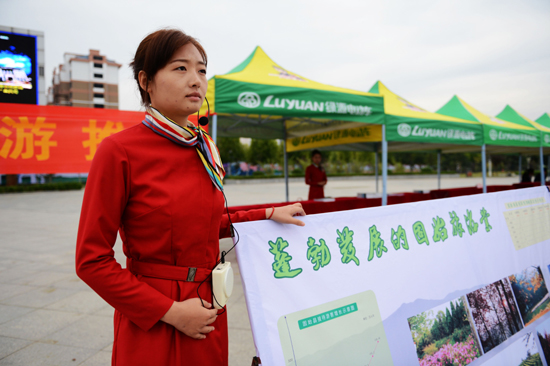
[167,271]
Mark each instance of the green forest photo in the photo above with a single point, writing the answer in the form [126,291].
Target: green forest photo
[444,335]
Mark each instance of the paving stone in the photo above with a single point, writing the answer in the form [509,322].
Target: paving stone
[71,282]
[43,278]
[37,324]
[102,358]
[7,290]
[241,347]
[85,301]
[8,313]
[42,354]
[237,316]
[107,311]
[10,345]
[10,275]
[90,331]
[39,297]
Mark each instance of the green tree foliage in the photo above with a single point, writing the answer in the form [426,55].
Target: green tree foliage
[231,149]
[263,151]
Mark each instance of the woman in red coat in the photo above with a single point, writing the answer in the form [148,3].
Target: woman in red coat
[159,185]
[316,177]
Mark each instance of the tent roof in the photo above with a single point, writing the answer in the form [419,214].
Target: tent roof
[544,120]
[501,136]
[259,68]
[459,108]
[261,99]
[510,114]
[397,106]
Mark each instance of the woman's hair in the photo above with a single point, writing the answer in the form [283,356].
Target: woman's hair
[155,51]
[315,152]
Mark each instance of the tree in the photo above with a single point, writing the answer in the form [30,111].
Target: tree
[231,149]
[262,151]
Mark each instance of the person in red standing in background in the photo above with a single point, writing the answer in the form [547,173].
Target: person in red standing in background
[316,177]
[159,184]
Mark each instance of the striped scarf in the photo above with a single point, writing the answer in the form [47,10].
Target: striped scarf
[189,136]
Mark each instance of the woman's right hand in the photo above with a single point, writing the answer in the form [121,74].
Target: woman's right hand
[191,318]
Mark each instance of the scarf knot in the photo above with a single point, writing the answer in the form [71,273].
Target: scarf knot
[189,136]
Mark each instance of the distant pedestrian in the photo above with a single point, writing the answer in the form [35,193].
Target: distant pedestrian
[537,176]
[316,177]
[527,176]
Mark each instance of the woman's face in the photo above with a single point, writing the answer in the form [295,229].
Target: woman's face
[316,159]
[178,89]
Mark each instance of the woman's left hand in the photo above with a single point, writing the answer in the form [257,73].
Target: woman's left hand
[285,214]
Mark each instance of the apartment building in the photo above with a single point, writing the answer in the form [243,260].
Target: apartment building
[85,81]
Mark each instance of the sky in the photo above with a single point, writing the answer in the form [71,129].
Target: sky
[490,53]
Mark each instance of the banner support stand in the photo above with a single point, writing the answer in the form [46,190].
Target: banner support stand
[215,128]
[285,163]
[438,169]
[384,167]
[484,168]
[376,167]
[541,159]
[519,167]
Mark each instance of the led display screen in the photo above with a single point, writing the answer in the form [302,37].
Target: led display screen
[18,69]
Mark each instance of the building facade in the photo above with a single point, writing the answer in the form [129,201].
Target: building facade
[85,81]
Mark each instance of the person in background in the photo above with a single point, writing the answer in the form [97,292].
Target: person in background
[527,176]
[537,176]
[316,177]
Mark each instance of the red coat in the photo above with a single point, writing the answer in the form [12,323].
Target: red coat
[159,197]
[314,175]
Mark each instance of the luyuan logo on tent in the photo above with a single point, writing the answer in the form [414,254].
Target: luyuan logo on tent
[493,134]
[404,130]
[547,139]
[249,99]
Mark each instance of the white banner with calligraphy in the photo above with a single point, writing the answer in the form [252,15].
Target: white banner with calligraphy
[453,281]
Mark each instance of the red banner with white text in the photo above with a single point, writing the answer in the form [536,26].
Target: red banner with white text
[53,139]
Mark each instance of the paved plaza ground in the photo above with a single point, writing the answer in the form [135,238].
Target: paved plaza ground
[49,317]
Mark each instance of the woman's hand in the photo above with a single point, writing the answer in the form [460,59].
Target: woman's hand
[191,318]
[285,214]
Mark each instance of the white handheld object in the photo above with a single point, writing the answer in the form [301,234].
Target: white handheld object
[222,284]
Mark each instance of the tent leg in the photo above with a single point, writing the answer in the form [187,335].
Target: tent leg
[286,168]
[376,169]
[541,159]
[215,128]
[519,167]
[384,167]
[438,169]
[484,168]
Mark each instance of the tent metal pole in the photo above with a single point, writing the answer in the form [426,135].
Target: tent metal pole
[519,167]
[541,159]
[484,168]
[286,165]
[215,128]
[376,168]
[438,169]
[384,167]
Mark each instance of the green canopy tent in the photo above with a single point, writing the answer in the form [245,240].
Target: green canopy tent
[499,135]
[409,127]
[261,99]
[544,125]
[510,114]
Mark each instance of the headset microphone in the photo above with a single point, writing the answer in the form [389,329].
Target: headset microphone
[203,121]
